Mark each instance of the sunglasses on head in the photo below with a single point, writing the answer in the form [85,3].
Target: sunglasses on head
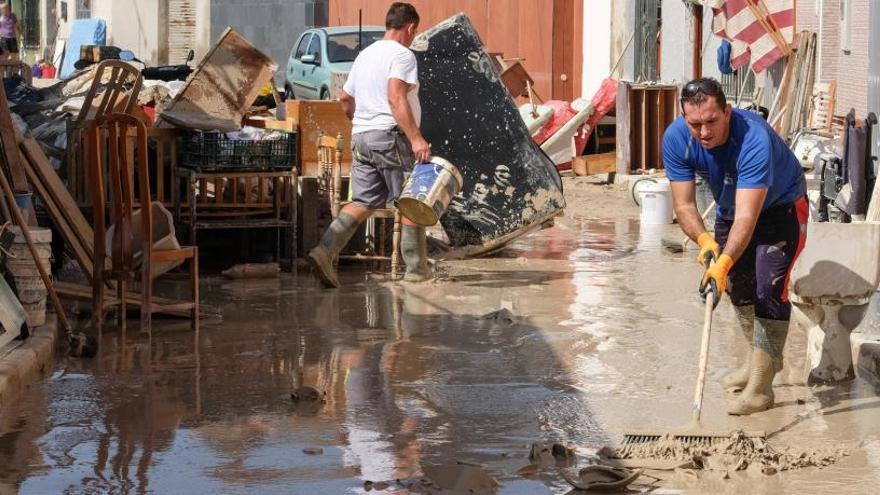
[694,88]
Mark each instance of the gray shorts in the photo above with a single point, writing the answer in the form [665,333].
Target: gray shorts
[378,162]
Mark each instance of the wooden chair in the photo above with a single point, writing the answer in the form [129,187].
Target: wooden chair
[111,146]
[121,83]
[121,90]
[330,182]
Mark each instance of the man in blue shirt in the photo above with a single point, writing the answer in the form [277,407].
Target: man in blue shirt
[760,225]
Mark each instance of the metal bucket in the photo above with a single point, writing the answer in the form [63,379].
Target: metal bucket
[429,190]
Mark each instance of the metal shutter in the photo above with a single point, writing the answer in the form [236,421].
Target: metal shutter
[181,29]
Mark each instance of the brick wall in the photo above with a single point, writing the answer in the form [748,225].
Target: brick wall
[849,70]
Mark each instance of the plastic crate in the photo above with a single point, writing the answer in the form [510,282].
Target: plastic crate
[215,151]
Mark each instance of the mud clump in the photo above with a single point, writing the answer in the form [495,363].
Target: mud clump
[735,453]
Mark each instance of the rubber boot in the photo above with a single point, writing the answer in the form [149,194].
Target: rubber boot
[737,379]
[414,249]
[766,357]
[323,256]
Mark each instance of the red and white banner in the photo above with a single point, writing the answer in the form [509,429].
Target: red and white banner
[759,31]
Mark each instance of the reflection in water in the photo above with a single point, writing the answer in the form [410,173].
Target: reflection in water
[413,376]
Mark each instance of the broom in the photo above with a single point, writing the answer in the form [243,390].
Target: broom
[695,432]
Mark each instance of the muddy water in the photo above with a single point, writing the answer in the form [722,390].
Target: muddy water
[600,335]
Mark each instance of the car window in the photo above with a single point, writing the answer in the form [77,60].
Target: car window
[301,48]
[315,48]
[343,47]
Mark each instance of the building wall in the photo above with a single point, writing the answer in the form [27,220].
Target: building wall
[596,45]
[848,69]
[273,26]
[516,28]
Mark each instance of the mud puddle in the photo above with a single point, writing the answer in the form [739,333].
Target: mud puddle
[574,335]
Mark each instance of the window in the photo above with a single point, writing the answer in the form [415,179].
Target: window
[344,47]
[301,49]
[83,9]
[315,49]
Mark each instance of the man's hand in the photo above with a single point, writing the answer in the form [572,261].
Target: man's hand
[708,247]
[421,149]
[397,93]
[715,278]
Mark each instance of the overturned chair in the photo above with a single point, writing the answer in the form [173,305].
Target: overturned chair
[831,285]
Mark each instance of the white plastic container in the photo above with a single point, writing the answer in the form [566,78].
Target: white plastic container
[655,198]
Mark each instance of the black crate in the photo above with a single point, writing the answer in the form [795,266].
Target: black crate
[208,151]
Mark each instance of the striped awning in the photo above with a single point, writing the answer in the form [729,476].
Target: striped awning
[760,31]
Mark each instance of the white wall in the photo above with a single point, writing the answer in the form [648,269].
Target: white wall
[203,29]
[597,45]
[132,25]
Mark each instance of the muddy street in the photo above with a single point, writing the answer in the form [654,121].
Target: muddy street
[573,334]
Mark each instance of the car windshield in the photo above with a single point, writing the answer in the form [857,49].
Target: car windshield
[343,47]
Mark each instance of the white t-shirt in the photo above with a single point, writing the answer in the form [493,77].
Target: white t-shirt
[368,84]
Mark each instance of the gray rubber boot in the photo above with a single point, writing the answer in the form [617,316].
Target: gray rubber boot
[737,379]
[323,256]
[766,356]
[414,249]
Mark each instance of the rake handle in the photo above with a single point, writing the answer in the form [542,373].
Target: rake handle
[704,357]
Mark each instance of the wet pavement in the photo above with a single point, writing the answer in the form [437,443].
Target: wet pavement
[573,334]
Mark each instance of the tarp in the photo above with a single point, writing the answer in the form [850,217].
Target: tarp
[82,32]
[510,185]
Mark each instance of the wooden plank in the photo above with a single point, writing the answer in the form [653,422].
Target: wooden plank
[69,210]
[163,305]
[10,147]
[80,252]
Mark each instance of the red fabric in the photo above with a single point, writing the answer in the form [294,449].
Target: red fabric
[802,209]
[603,102]
[150,111]
[562,113]
[736,21]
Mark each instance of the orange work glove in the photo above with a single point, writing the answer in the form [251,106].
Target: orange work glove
[708,247]
[715,278]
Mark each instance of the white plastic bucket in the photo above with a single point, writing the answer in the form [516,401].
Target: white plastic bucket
[655,198]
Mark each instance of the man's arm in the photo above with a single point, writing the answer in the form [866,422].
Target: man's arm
[684,199]
[748,208]
[400,109]
[348,104]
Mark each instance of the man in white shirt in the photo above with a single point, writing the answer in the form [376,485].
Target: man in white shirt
[381,96]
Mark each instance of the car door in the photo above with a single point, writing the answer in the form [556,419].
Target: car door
[313,67]
[296,69]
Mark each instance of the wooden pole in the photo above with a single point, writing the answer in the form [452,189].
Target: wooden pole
[22,224]
[697,61]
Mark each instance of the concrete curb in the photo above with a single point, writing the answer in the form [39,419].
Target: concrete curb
[24,362]
[866,357]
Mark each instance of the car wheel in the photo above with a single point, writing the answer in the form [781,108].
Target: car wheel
[288,93]
[325,95]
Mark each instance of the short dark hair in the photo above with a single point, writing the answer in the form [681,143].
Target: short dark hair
[698,91]
[400,14]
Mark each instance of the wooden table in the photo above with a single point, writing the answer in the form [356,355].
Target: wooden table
[227,200]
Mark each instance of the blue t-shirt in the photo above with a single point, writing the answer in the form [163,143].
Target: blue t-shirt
[753,157]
